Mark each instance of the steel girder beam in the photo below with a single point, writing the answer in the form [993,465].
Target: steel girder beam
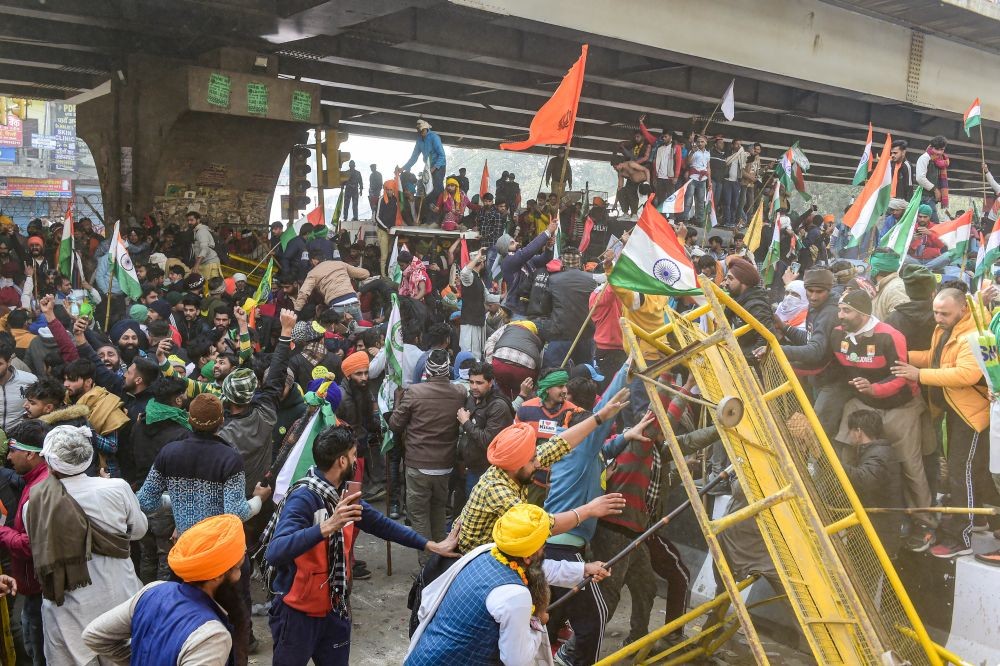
[38,55]
[49,78]
[31,92]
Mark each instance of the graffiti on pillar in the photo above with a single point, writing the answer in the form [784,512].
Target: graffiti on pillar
[220,89]
[257,99]
[301,105]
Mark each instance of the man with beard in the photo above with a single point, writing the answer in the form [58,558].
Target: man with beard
[742,281]
[179,622]
[358,410]
[130,339]
[106,413]
[492,605]
[309,539]
[80,529]
[38,266]
[192,325]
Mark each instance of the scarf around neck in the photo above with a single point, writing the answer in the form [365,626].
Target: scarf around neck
[157,412]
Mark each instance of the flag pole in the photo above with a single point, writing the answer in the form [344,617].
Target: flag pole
[562,173]
[711,117]
[545,169]
[583,326]
[982,153]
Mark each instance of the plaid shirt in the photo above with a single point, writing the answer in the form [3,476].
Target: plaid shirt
[495,493]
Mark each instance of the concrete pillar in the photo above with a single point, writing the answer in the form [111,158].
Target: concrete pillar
[162,147]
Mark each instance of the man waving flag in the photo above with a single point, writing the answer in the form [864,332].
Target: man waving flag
[121,266]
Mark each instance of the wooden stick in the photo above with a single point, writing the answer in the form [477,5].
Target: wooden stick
[638,541]
[709,121]
[982,153]
[545,170]
[978,511]
[579,333]
[388,498]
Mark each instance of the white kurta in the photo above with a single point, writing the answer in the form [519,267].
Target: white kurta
[111,504]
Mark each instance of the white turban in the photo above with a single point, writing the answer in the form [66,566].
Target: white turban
[67,449]
[423,124]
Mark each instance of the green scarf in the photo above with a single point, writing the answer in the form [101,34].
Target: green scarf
[157,411]
[557,378]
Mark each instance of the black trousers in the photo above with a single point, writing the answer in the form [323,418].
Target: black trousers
[969,479]
[586,612]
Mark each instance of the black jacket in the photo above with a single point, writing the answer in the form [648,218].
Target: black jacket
[358,409]
[570,291]
[809,351]
[147,441]
[915,320]
[489,416]
[754,300]
[877,479]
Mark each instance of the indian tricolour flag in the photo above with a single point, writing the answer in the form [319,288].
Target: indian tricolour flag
[121,266]
[653,261]
[992,252]
[873,201]
[300,458]
[65,254]
[973,116]
[865,164]
[774,249]
[395,273]
[898,238]
[674,204]
[955,234]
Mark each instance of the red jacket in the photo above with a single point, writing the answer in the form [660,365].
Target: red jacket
[15,539]
[926,247]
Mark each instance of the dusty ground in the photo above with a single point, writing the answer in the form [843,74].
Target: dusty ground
[381,616]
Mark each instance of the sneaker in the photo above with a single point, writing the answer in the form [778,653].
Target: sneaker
[559,660]
[947,551]
[394,511]
[920,539]
[360,572]
[992,558]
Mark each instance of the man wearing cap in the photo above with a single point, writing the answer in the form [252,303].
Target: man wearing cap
[25,455]
[309,539]
[514,459]
[491,606]
[915,318]
[168,623]
[742,281]
[866,349]
[424,415]
[809,351]
[80,528]
[428,145]
[956,393]
[926,248]
[889,288]
[354,187]
[332,280]
[206,259]
[897,207]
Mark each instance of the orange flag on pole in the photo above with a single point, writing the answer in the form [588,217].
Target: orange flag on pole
[484,182]
[554,122]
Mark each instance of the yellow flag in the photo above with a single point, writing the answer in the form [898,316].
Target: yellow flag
[752,239]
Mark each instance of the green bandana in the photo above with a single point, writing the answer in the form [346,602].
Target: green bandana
[884,262]
[157,411]
[557,378]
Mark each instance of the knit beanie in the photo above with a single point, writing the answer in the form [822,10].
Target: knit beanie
[502,246]
[239,386]
[744,271]
[205,413]
[139,312]
[162,308]
[818,278]
[919,282]
[857,300]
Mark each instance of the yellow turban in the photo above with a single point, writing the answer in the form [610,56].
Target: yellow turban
[522,531]
[524,323]
[208,549]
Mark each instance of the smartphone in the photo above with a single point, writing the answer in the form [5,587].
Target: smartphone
[795,267]
[353,487]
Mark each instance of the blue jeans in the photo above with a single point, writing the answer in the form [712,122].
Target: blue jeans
[437,179]
[354,308]
[694,200]
[299,637]
[555,352]
[936,264]
[31,628]
[350,197]
[471,479]
[928,198]
[730,203]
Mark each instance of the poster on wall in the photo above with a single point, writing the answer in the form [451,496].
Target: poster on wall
[64,131]
[12,134]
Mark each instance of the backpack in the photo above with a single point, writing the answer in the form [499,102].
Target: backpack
[219,247]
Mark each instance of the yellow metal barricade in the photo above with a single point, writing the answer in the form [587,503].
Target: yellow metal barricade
[837,577]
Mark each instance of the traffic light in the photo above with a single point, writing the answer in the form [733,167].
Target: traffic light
[336,159]
[298,177]
[20,107]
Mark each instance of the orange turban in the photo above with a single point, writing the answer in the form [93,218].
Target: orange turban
[208,549]
[354,363]
[513,447]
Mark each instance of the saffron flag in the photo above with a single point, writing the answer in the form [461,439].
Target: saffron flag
[873,201]
[66,249]
[653,261]
[955,234]
[484,182]
[899,236]
[865,164]
[121,266]
[710,205]
[992,252]
[463,259]
[554,122]
[754,230]
[674,204]
[728,103]
[973,117]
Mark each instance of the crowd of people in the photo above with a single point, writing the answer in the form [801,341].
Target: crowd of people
[174,443]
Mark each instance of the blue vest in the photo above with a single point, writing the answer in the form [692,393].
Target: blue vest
[165,617]
[463,632]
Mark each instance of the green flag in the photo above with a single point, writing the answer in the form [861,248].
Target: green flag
[264,288]
[899,236]
[393,369]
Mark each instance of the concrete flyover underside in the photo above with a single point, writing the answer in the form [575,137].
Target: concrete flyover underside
[806,70]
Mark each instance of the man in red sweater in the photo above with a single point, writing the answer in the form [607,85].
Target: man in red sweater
[25,441]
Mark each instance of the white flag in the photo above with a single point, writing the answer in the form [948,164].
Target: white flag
[728,104]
